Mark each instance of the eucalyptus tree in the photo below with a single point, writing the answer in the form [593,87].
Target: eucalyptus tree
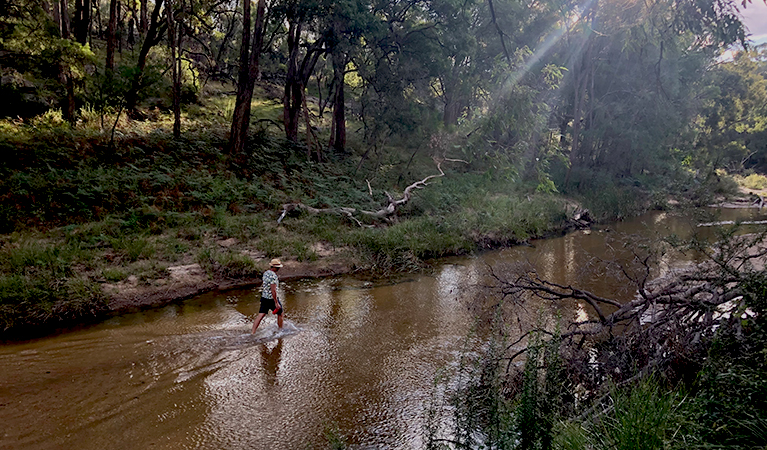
[81,22]
[732,130]
[305,45]
[346,24]
[634,70]
[514,82]
[250,51]
[111,36]
[42,64]
[155,31]
[397,66]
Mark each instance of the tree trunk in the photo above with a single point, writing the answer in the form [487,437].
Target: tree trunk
[56,14]
[82,20]
[236,140]
[452,110]
[153,36]
[581,90]
[338,127]
[111,36]
[143,18]
[293,98]
[175,72]
[120,27]
[65,24]
[65,73]
[250,53]
[500,32]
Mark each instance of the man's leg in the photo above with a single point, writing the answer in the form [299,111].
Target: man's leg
[279,320]
[257,322]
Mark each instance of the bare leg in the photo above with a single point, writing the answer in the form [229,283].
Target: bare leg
[279,320]
[257,322]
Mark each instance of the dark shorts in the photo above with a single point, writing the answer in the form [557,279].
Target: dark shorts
[267,304]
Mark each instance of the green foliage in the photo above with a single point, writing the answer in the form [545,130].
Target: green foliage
[605,197]
[755,181]
[38,286]
[645,416]
[132,247]
[57,179]
[234,265]
[733,122]
[543,389]
[403,246]
[730,403]
[113,274]
[641,418]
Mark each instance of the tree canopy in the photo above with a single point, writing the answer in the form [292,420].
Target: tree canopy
[625,87]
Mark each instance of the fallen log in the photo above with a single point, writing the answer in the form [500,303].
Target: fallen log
[383,214]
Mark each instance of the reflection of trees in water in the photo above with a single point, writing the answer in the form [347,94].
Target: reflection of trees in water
[271,360]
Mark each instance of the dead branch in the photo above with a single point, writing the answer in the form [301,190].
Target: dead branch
[668,322]
[382,214]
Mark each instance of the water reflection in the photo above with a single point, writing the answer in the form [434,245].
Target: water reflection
[354,354]
[270,357]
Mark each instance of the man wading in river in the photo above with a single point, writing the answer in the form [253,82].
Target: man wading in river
[269,300]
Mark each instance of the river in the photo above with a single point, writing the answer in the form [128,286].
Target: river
[356,358]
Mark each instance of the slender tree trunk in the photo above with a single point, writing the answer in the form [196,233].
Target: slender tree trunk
[153,36]
[65,73]
[238,116]
[292,100]
[250,52]
[500,32]
[143,18]
[338,127]
[581,91]
[223,46]
[65,24]
[56,14]
[120,27]
[175,72]
[111,36]
[82,20]
[130,39]
[100,33]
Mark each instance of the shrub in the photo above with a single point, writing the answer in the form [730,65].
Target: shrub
[755,181]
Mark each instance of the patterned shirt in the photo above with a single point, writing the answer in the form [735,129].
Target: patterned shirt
[269,278]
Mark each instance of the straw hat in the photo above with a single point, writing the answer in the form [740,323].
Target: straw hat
[275,263]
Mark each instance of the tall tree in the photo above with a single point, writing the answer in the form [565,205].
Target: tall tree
[174,41]
[732,132]
[144,17]
[248,74]
[67,77]
[82,20]
[153,36]
[111,36]
[302,58]
[633,74]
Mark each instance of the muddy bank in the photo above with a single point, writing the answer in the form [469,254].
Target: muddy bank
[190,280]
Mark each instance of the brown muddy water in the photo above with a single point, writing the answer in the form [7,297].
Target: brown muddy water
[356,357]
